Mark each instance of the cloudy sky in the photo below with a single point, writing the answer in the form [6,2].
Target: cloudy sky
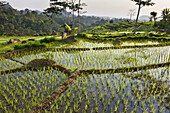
[111,8]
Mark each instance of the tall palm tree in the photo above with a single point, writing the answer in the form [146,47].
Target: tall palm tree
[141,4]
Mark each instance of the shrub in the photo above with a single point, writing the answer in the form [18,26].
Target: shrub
[9,50]
[47,40]
[83,35]
[30,44]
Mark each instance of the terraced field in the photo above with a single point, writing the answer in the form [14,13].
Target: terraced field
[132,79]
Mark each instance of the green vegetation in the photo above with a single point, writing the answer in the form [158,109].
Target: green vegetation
[97,84]
[141,4]
[26,22]
[126,37]
[47,40]
[30,44]
[122,26]
[107,69]
[9,47]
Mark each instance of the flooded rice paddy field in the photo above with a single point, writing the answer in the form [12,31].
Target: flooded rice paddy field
[93,44]
[115,93]
[142,91]
[21,91]
[103,59]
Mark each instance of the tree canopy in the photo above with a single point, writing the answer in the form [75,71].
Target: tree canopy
[141,3]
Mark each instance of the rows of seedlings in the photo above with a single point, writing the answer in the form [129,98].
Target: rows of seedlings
[104,59]
[116,92]
[88,44]
[7,64]
[83,43]
[21,91]
[93,92]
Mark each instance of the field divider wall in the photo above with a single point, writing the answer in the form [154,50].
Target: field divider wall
[28,68]
[15,60]
[55,94]
[124,69]
[68,82]
[90,71]
[131,47]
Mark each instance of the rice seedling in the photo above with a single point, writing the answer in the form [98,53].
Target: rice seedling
[24,91]
[122,99]
[143,90]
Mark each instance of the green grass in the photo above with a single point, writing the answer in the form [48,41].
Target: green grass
[9,47]
[7,38]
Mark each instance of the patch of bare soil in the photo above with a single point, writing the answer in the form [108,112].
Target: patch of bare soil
[41,63]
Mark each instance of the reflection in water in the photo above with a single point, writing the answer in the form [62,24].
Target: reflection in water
[93,44]
[127,43]
[86,44]
[103,59]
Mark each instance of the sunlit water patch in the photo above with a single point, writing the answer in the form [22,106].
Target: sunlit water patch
[93,44]
[86,44]
[127,43]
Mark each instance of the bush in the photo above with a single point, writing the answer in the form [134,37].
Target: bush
[9,50]
[84,35]
[115,36]
[30,44]
[47,40]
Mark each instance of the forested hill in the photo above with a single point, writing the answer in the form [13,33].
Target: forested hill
[26,22]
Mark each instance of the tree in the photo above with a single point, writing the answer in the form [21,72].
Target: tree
[73,7]
[111,21]
[141,4]
[78,11]
[131,13]
[165,14]
[150,19]
[166,20]
[154,14]
[55,7]
[59,6]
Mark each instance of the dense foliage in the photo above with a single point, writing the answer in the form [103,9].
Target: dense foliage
[26,22]
[30,44]
[13,22]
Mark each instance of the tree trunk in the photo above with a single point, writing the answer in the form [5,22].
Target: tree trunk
[73,13]
[137,18]
[73,20]
[79,16]
[65,15]
[154,21]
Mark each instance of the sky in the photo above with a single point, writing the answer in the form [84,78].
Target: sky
[111,8]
